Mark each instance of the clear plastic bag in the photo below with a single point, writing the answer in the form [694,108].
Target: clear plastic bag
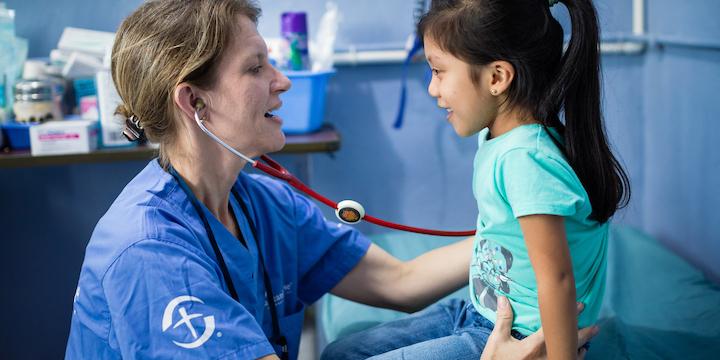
[322,47]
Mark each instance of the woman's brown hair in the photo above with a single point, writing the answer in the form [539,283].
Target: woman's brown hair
[165,43]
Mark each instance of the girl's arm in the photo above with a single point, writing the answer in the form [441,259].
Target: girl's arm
[382,280]
[550,258]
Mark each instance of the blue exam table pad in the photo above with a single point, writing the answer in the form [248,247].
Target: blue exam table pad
[656,305]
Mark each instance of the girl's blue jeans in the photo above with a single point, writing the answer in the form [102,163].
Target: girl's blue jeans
[448,330]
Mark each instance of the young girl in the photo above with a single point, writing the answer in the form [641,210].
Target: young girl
[545,188]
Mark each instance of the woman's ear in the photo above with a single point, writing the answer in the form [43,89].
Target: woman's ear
[502,75]
[186,98]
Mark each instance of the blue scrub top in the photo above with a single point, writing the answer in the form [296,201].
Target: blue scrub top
[150,285]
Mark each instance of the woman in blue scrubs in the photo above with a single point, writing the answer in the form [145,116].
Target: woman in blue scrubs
[195,258]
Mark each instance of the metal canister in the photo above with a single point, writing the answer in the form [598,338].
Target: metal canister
[35,101]
[293,28]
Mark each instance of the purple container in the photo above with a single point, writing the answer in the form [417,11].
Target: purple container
[293,28]
[295,22]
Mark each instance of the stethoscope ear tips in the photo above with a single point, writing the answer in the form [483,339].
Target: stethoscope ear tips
[350,212]
[199,104]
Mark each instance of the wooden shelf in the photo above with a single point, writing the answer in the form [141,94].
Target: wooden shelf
[324,140]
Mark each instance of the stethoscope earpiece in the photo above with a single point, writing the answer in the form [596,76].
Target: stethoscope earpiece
[350,212]
[199,104]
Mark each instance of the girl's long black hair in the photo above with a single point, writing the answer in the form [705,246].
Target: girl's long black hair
[547,81]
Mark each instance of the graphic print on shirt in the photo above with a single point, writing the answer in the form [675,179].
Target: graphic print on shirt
[491,262]
[185,322]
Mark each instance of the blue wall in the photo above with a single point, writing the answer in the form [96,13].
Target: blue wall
[661,109]
[681,109]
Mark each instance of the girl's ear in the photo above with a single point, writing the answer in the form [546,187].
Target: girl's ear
[502,75]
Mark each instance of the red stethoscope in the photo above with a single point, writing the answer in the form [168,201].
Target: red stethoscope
[348,211]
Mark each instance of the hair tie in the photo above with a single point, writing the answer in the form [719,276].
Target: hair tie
[133,131]
[553,2]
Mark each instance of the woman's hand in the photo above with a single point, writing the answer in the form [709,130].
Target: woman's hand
[501,345]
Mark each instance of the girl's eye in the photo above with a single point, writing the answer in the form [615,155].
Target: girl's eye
[256,69]
[435,72]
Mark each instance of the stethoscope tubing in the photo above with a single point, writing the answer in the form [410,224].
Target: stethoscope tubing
[273,168]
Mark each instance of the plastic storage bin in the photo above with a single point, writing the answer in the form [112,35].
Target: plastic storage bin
[17,135]
[304,104]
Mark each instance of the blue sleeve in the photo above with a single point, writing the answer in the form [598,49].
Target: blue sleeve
[533,182]
[166,301]
[327,251]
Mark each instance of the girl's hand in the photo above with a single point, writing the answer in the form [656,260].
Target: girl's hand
[501,345]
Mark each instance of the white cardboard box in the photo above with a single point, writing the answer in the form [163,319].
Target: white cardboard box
[63,137]
[111,125]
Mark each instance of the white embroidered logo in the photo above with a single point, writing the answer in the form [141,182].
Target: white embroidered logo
[186,319]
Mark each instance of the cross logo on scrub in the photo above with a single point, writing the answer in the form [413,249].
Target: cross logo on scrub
[186,320]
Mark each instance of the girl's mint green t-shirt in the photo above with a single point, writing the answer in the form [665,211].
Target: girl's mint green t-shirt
[519,173]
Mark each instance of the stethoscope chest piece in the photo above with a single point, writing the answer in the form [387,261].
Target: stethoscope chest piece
[350,212]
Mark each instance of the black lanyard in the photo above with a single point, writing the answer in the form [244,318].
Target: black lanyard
[279,339]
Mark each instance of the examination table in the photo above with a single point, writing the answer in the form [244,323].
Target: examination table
[656,306]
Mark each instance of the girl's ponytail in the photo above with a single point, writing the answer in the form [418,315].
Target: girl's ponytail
[577,91]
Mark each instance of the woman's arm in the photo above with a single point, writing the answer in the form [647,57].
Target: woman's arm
[382,280]
[550,257]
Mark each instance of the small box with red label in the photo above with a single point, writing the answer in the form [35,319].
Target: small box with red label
[64,137]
